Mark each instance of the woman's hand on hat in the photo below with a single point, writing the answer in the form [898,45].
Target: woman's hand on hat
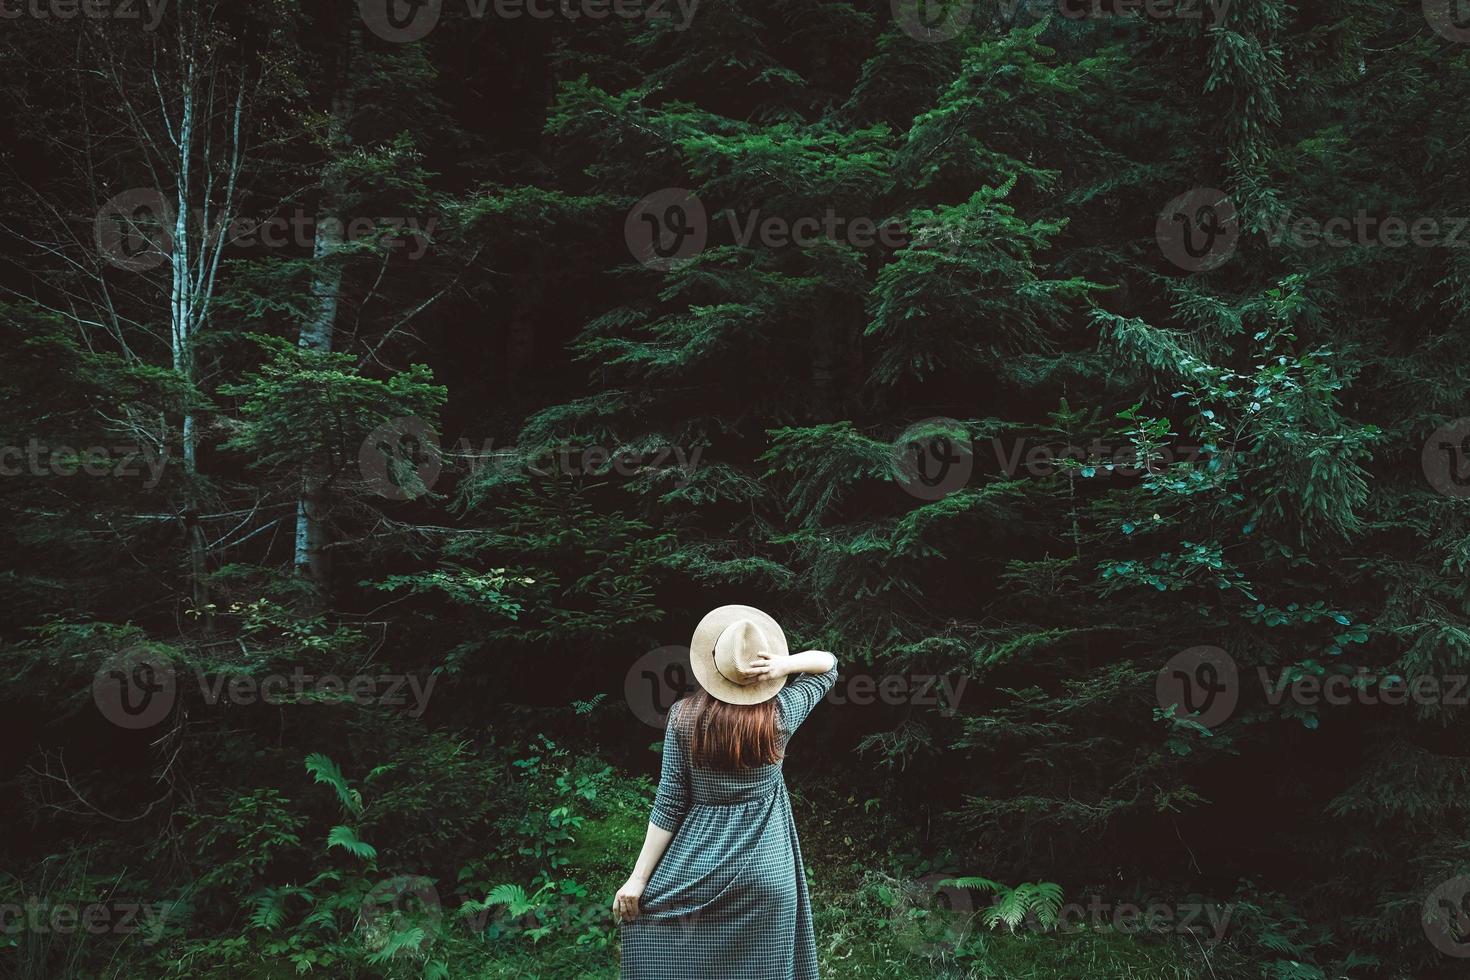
[765,667]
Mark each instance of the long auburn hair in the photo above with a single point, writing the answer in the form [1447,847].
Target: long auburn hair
[729,736]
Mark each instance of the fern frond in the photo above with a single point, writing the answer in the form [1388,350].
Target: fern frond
[325,771]
[979,884]
[513,897]
[347,839]
[269,909]
[400,942]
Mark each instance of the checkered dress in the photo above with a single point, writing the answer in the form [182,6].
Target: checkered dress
[728,900]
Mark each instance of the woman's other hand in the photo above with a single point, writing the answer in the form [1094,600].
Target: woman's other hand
[625,902]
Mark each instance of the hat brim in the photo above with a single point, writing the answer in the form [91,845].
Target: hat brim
[702,655]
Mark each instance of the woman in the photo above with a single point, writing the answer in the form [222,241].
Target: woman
[718,890]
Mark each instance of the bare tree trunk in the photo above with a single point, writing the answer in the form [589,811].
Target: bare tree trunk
[181,334]
[311,555]
[316,333]
[194,256]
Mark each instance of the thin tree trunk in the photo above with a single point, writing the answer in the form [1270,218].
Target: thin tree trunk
[311,554]
[182,326]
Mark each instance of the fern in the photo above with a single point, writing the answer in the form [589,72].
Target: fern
[347,839]
[326,771]
[269,909]
[1039,902]
[513,897]
[400,941]
[587,707]
[979,884]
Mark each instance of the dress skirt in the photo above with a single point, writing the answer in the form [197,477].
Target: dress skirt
[728,900]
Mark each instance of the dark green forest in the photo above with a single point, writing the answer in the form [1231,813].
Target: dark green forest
[390,386]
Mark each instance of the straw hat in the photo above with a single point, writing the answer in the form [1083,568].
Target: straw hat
[725,644]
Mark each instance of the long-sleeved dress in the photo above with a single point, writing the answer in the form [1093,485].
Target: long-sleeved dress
[728,900]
